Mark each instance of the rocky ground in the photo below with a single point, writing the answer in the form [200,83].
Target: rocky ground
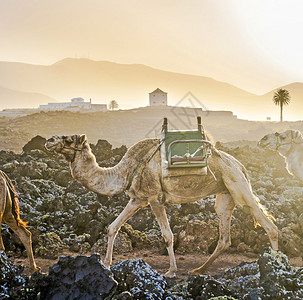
[64,216]
[84,277]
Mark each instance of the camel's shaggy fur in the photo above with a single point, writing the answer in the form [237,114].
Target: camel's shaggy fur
[289,144]
[9,214]
[155,185]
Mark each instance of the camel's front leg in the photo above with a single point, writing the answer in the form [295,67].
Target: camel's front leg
[130,209]
[160,213]
[224,208]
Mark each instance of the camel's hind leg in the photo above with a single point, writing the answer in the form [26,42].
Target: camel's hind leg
[130,209]
[160,213]
[7,216]
[2,248]
[2,208]
[241,191]
[224,208]
[25,237]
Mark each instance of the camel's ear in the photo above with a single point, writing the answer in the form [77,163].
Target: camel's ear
[82,139]
[297,136]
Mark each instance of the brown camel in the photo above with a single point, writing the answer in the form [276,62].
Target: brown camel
[9,214]
[288,144]
[148,181]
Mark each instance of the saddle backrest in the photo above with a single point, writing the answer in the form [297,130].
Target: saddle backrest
[186,148]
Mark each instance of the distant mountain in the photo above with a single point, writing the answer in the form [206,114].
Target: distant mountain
[16,99]
[103,81]
[129,85]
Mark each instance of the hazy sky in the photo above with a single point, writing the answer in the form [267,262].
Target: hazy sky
[256,45]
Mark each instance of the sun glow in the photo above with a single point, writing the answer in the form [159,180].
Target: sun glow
[275,26]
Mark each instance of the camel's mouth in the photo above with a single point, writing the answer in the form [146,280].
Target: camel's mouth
[261,145]
[264,144]
[50,147]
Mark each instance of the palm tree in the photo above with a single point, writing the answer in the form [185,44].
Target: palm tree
[281,97]
[113,105]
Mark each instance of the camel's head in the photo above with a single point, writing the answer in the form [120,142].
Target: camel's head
[66,145]
[281,141]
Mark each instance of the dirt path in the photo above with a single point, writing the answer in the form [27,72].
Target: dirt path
[161,262]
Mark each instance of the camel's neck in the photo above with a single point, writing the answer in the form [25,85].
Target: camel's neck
[107,181]
[294,160]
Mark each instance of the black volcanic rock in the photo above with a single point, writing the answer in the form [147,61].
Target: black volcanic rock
[79,277]
[138,279]
[271,277]
[278,279]
[36,142]
[203,287]
[12,281]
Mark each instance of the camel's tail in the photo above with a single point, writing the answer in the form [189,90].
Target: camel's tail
[14,197]
[265,212]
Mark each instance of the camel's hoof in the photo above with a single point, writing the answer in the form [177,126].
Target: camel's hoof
[106,265]
[196,272]
[36,269]
[170,274]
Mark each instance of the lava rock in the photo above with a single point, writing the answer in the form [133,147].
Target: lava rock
[203,287]
[138,239]
[243,280]
[12,281]
[197,236]
[49,245]
[278,278]
[36,142]
[63,178]
[15,285]
[271,277]
[139,279]
[122,244]
[79,277]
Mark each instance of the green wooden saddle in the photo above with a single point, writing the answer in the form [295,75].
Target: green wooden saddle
[186,148]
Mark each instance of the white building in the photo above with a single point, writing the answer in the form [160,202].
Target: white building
[74,104]
[157,98]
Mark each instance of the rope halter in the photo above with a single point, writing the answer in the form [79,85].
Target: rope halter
[73,148]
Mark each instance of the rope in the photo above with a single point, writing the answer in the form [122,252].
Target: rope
[143,164]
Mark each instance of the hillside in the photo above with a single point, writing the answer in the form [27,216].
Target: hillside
[129,126]
[13,98]
[129,84]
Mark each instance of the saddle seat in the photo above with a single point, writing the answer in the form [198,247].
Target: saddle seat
[179,160]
